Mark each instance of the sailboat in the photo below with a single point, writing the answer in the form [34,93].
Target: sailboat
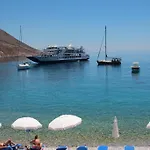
[24,65]
[108,60]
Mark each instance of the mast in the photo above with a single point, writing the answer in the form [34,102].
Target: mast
[105,44]
[20,40]
[20,34]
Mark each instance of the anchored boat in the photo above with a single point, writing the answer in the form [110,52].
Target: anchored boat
[135,67]
[108,60]
[23,65]
[57,54]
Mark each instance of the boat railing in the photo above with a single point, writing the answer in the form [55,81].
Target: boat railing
[115,58]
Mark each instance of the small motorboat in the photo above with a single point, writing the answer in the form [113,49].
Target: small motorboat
[135,67]
[24,66]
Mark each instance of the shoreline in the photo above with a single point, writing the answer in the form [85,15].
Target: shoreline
[74,138]
[12,58]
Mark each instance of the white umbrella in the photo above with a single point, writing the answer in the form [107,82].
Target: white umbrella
[148,126]
[115,131]
[26,123]
[0,125]
[64,122]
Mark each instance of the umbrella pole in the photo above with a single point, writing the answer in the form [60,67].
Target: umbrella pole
[27,141]
[25,138]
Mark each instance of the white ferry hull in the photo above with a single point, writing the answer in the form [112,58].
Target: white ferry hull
[59,54]
[39,59]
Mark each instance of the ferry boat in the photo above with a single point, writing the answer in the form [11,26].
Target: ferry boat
[56,54]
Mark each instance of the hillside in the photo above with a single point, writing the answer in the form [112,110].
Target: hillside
[10,46]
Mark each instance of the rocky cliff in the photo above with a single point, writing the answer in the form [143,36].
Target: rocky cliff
[10,46]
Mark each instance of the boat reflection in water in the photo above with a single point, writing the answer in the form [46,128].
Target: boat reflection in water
[61,71]
[108,74]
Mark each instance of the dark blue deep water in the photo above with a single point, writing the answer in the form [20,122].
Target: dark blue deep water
[94,93]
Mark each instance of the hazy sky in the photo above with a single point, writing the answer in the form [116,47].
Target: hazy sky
[80,22]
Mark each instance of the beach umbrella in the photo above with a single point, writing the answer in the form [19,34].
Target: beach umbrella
[148,126]
[0,125]
[26,123]
[64,122]
[115,131]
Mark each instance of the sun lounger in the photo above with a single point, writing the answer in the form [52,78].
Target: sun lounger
[35,148]
[61,148]
[6,148]
[82,148]
[17,146]
[14,147]
[127,147]
[102,147]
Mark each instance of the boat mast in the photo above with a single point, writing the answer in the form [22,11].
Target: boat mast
[105,44]
[20,40]
[20,35]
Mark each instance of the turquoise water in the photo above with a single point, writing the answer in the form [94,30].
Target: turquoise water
[94,93]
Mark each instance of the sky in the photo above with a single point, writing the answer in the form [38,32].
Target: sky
[79,22]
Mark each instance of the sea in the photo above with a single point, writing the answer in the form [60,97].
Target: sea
[95,93]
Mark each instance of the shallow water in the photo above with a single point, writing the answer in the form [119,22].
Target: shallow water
[94,93]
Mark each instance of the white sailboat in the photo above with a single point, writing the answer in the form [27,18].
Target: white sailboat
[24,65]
